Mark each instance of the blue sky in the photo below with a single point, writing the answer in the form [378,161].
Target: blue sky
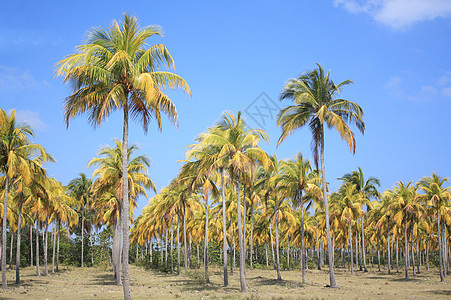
[230,52]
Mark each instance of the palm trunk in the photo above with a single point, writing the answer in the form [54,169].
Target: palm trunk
[125,208]
[378,253]
[224,231]
[184,241]
[54,248]
[406,248]
[19,224]
[207,278]
[418,255]
[266,254]
[90,240]
[166,246]
[351,261]
[413,254]
[318,250]
[46,247]
[38,271]
[333,282]
[82,234]
[240,240]
[31,245]
[251,239]
[5,213]
[302,240]
[172,244]
[272,246]
[232,241]
[244,228]
[276,224]
[178,244]
[439,236]
[117,253]
[11,249]
[397,255]
[363,247]
[58,246]
[388,247]
[360,250]
[427,255]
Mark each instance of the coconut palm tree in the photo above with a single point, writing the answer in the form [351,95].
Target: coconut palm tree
[16,153]
[367,189]
[436,196]
[114,70]
[314,96]
[297,179]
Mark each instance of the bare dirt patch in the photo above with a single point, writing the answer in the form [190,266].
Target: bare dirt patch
[97,283]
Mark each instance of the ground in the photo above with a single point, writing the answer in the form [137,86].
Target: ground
[97,283]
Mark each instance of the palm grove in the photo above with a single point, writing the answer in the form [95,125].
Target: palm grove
[231,201]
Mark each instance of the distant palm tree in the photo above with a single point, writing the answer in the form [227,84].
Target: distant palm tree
[315,103]
[114,71]
[437,196]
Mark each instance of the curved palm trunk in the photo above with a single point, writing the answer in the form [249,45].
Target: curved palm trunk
[272,246]
[302,241]
[224,231]
[240,240]
[276,225]
[185,254]
[330,250]
[207,278]
[5,211]
[19,224]
[125,208]
[406,249]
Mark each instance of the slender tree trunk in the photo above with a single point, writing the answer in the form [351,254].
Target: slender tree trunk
[412,249]
[418,254]
[178,245]
[427,255]
[272,246]
[82,234]
[166,247]
[117,253]
[356,249]
[58,246]
[350,247]
[172,244]
[224,231]
[232,241]
[11,249]
[31,245]
[244,228]
[389,252]
[360,250]
[266,253]
[318,251]
[19,224]
[90,240]
[125,207]
[363,248]
[184,241]
[333,282]
[240,240]
[251,239]
[378,253]
[198,254]
[406,248]
[207,278]
[5,213]
[38,271]
[54,248]
[276,224]
[302,240]
[46,270]
[439,236]
[288,253]
[397,255]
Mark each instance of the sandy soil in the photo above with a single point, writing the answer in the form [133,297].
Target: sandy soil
[97,283]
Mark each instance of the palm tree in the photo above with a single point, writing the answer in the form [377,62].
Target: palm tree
[80,189]
[108,189]
[114,71]
[295,179]
[367,189]
[437,196]
[315,103]
[16,152]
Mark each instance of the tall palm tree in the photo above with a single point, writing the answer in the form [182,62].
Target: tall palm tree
[16,153]
[367,189]
[114,70]
[437,195]
[314,96]
[80,189]
[297,179]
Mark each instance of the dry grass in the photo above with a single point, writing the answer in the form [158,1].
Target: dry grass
[96,283]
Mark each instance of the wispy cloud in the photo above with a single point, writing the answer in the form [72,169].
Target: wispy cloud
[398,14]
[18,79]
[440,88]
[31,118]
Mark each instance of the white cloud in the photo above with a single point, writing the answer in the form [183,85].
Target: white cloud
[17,79]
[440,88]
[31,118]
[398,14]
